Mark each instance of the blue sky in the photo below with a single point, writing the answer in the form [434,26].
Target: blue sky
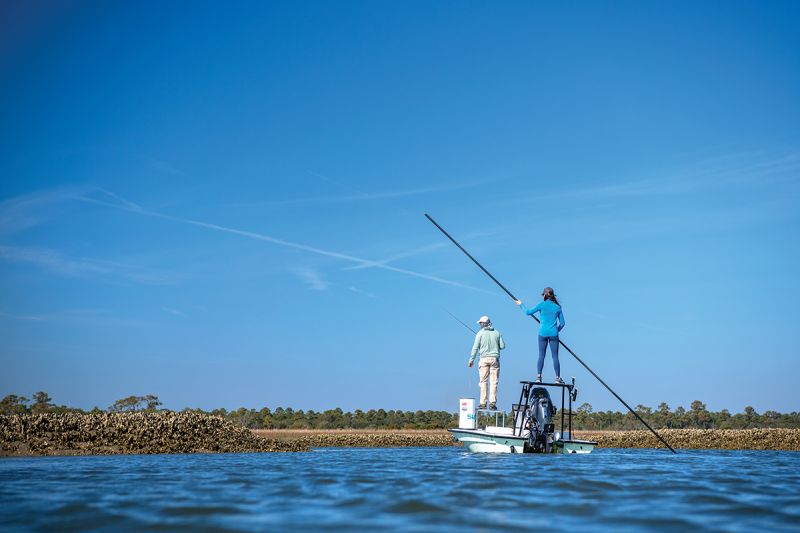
[223,204]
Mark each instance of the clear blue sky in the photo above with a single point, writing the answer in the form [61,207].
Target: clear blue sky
[222,204]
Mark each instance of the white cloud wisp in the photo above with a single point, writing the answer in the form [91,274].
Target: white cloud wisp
[126,205]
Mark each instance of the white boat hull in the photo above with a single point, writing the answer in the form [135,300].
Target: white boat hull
[476,440]
[575,446]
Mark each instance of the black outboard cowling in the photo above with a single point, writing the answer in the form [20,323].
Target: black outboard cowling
[541,413]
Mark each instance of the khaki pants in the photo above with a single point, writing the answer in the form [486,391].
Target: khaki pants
[489,367]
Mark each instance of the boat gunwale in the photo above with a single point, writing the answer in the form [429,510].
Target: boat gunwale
[484,433]
[577,441]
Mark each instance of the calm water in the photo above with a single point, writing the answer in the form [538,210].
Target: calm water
[423,489]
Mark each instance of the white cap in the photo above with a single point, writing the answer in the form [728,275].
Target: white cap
[484,320]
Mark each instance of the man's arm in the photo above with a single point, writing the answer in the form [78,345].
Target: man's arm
[475,346]
[500,342]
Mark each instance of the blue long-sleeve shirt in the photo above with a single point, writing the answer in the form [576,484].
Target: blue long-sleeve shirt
[551,318]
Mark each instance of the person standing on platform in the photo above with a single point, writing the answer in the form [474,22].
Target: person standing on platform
[487,345]
[551,321]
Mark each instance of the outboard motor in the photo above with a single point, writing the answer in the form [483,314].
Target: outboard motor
[540,420]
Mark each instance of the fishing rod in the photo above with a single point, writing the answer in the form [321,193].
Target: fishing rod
[459,321]
[617,396]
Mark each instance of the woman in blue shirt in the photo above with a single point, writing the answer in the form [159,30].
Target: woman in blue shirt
[552,321]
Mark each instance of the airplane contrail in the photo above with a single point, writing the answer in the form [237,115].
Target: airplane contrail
[132,207]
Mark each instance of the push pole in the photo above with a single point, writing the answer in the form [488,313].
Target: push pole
[592,372]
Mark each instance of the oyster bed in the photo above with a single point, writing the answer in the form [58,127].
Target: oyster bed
[700,439]
[375,440]
[171,432]
[129,433]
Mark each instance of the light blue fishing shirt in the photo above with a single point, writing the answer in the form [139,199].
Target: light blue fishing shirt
[551,318]
[488,343]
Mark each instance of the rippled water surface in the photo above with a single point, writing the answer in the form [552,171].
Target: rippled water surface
[423,489]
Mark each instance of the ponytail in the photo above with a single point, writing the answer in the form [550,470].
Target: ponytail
[549,294]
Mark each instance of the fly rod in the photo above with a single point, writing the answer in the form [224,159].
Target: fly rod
[459,321]
[617,396]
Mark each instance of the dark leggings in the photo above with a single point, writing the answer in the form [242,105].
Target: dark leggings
[553,351]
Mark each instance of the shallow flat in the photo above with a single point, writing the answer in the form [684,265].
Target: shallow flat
[423,489]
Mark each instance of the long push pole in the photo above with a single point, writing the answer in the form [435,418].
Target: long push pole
[592,372]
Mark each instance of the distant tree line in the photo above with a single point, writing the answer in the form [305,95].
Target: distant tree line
[697,416]
[288,418]
[41,402]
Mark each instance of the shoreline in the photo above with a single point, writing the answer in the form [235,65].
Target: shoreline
[167,432]
[695,439]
